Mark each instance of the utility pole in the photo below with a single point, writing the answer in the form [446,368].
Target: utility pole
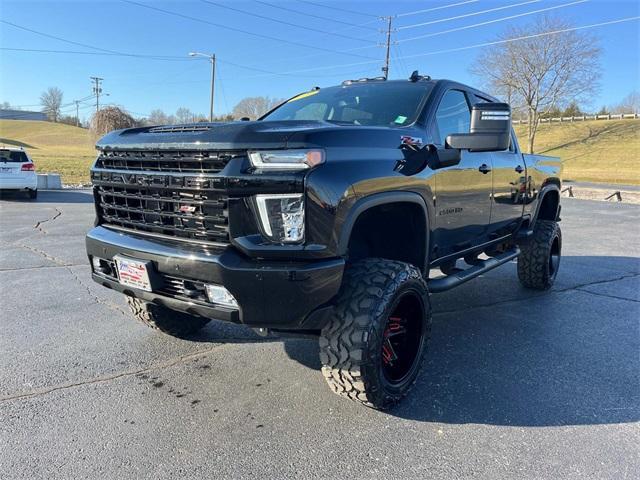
[212,59]
[77,102]
[213,80]
[385,69]
[97,90]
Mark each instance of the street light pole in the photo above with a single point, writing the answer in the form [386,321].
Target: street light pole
[212,59]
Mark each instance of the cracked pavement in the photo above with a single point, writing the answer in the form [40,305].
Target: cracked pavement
[516,384]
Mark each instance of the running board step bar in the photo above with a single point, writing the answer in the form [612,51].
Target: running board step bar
[443,284]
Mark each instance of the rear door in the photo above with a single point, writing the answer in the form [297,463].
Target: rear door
[510,185]
[463,191]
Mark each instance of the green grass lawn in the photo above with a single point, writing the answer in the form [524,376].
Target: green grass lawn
[54,147]
[603,151]
[596,151]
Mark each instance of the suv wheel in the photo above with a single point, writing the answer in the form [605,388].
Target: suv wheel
[372,348]
[539,261]
[177,324]
[33,194]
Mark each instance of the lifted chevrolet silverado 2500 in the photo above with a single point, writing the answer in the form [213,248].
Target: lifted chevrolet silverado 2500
[326,216]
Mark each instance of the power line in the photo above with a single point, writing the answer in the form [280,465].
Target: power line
[435,8]
[93,47]
[398,58]
[78,52]
[333,7]
[106,52]
[320,17]
[488,22]
[17,107]
[66,108]
[467,15]
[247,32]
[245,67]
[525,37]
[283,22]
[478,45]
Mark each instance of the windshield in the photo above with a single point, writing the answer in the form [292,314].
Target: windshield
[13,156]
[376,103]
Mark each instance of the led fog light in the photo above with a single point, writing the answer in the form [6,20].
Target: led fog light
[102,266]
[220,295]
[282,217]
[96,264]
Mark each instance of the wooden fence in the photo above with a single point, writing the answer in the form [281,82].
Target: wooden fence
[582,118]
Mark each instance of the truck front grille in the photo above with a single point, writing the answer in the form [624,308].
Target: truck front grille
[152,192]
[182,161]
[181,214]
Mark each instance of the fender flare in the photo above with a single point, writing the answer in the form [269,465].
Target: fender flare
[549,187]
[365,203]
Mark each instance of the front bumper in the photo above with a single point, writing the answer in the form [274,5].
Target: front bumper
[270,294]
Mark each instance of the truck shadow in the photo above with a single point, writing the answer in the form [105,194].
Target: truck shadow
[564,357]
[515,357]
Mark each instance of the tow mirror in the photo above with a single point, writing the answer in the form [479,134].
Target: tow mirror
[490,129]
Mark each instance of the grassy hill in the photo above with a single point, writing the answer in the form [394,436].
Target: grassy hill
[54,147]
[603,151]
[595,151]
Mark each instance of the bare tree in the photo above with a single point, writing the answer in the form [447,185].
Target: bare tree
[254,107]
[158,117]
[629,104]
[184,115]
[541,72]
[51,100]
[111,118]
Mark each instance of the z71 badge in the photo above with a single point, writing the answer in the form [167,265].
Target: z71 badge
[408,140]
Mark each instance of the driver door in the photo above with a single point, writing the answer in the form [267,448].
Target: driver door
[463,191]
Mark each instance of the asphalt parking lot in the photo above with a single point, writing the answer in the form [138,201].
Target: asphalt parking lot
[516,385]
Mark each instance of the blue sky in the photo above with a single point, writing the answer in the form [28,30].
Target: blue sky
[320,46]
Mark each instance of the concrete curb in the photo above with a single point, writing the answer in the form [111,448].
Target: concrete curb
[49,181]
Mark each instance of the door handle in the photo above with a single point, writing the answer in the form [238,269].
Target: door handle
[484,168]
[519,169]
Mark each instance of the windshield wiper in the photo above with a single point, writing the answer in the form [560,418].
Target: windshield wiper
[341,122]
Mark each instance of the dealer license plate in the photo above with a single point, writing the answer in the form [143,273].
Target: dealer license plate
[133,273]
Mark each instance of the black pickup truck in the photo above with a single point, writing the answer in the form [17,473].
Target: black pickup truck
[336,214]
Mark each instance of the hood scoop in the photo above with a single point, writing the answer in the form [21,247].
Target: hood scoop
[181,128]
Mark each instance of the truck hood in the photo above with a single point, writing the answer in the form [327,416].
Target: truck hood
[248,135]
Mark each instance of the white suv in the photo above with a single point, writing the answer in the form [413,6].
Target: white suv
[17,171]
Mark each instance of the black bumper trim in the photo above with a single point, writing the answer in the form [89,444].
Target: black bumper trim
[208,311]
[271,294]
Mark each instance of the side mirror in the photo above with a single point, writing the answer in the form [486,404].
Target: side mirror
[417,158]
[490,129]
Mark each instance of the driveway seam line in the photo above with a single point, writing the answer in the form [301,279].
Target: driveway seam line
[108,378]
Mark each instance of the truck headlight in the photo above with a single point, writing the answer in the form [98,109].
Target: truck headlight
[282,217]
[286,159]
